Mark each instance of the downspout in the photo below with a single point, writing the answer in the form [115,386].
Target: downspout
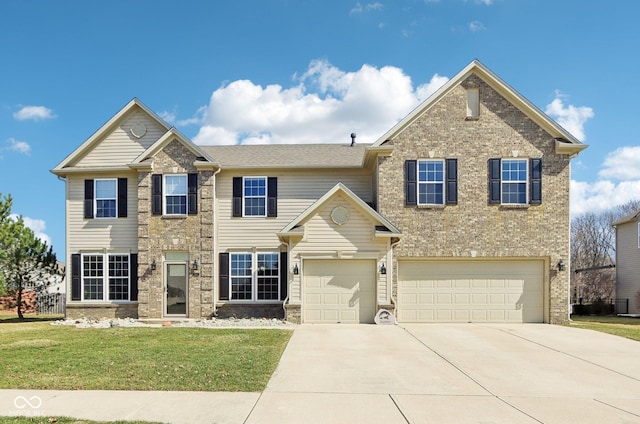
[393,300]
[286,299]
[215,241]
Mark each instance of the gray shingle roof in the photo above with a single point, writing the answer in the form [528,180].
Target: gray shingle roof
[288,155]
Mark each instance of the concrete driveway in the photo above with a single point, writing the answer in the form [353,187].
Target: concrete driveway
[452,373]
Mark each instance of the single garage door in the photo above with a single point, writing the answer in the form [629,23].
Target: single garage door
[339,291]
[470,291]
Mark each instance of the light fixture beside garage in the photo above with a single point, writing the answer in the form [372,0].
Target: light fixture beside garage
[561,265]
[383,269]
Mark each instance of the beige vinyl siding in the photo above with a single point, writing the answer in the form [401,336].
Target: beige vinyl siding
[628,264]
[115,234]
[120,147]
[297,190]
[354,239]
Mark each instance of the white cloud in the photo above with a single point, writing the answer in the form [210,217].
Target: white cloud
[485,2]
[476,26]
[18,146]
[571,117]
[35,113]
[37,226]
[170,117]
[622,164]
[325,106]
[426,90]
[359,8]
[601,195]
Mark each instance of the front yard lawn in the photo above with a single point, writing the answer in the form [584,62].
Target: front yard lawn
[619,326]
[60,420]
[38,355]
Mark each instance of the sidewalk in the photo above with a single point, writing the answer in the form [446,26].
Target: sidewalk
[101,405]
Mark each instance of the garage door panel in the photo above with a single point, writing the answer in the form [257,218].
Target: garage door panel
[463,291]
[339,291]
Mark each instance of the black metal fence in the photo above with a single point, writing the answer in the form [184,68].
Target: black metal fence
[50,304]
[622,306]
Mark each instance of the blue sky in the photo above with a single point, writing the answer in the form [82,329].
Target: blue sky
[284,71]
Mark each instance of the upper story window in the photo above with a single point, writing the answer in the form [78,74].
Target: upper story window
[515,181]
[431,182]
[255,196]
[106,198]
[175,194]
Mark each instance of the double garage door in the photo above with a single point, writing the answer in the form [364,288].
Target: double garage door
[470,291]
[339,291]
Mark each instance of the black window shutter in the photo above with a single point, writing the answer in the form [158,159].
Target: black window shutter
[133,276]
[223,275]
[494,181]
[452,181]
[88,199]
[122,197]
[272,196]
[76,278]
[192,201]
[536,181]
[156,194]
[410,183]
[237,196]
[284,275]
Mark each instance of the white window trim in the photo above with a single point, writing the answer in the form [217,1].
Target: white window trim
[105,277]
[526,181]
[442,183]
[266,194]
[164,194]
[95,198]
[638,235]
[254,277]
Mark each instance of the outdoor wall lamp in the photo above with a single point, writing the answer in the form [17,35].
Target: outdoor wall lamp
[561,265]
[383,269]
[296,270]
[195,265]
[153,265]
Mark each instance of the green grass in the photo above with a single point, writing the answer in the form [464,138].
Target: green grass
[38,355]
[618,326]
[60,420]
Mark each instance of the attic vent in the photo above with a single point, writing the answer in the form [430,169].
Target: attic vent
[473,103]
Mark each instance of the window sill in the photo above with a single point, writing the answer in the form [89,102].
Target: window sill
[472,118]
[99,304]
[514,206]
[431,206]
[249,302]
[174,216]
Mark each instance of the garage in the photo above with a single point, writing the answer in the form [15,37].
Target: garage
[339,291]
[471,291]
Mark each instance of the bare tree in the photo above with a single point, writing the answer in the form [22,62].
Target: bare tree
[593,251]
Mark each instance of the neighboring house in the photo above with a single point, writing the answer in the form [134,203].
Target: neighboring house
[628,261]
[460,212]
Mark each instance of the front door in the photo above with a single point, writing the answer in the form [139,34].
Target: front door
[176,293]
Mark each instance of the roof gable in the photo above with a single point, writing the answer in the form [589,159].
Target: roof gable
[137,113]
[172,134]
[384,229]
[565,142]
[629,218]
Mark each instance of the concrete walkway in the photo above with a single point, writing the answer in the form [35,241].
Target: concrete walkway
[453,373]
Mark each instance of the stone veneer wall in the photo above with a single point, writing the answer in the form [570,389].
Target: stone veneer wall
[492,231]
[125,310]
[159,234]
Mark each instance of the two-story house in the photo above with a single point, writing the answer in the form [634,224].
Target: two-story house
[459,213]
[628,263]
